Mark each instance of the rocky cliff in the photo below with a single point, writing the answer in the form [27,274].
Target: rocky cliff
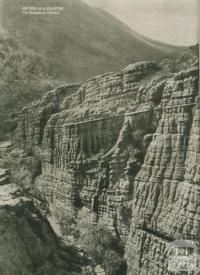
[121,151]
[28,244]
[166,197]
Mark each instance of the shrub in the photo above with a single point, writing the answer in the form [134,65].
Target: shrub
[105,248]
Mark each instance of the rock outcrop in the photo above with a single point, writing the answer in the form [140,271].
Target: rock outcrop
[28,244]
[166,199]
[122,150]
[4,176]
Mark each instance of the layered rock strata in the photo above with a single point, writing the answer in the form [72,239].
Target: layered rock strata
[166,200]
[87,144]
[122,149]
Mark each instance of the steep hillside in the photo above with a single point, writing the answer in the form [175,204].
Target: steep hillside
[24,77]
[82,41]
[28,244]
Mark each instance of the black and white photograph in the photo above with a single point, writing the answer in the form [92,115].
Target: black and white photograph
[99,137]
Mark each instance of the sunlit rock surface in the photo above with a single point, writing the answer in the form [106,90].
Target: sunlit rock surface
[122,150]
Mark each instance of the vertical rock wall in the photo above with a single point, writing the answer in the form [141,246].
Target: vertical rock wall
[166,198]
[122,151]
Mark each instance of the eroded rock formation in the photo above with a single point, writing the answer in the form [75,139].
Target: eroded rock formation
[166,200]
[122,150]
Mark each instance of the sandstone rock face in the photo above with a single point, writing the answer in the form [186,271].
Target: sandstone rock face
[166,198]
[87,144]
[33,118]
[122,150]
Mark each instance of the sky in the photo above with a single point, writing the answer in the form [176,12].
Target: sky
[171,21]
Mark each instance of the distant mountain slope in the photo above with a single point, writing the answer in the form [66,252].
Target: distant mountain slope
[23,78]
[82,41]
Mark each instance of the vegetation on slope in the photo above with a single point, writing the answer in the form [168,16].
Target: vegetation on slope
[41,52]
[24,77]
[81,41]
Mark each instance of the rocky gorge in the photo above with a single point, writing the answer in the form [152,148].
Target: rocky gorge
[119,153]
